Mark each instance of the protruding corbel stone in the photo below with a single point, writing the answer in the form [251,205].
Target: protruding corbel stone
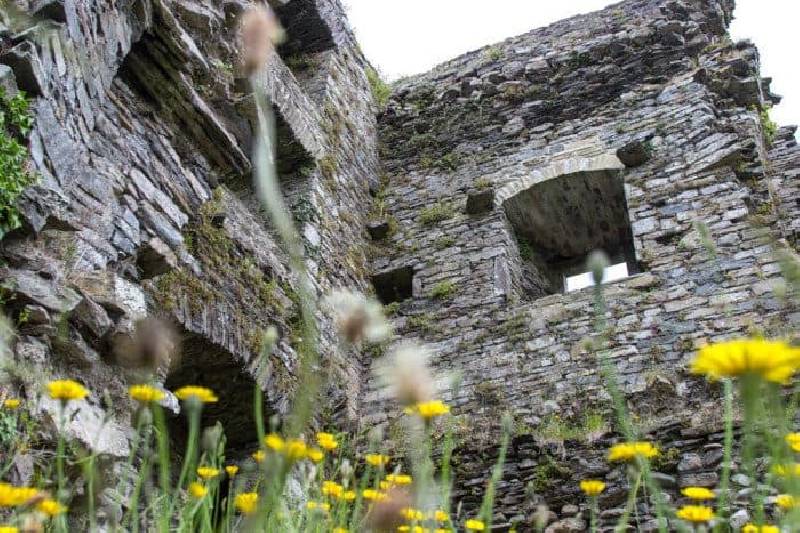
[480,201]
[155,258]
[634,153]
[378,229]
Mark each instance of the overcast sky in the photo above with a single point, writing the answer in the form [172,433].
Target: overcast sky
[411,36]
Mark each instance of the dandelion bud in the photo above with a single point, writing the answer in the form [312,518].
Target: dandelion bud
[212,436]
[597,263]
[260,31]
[346,470]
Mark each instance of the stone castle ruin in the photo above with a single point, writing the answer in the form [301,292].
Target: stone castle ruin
[468,204]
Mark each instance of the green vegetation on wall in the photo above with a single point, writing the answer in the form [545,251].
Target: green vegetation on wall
[16,122]
[380,90]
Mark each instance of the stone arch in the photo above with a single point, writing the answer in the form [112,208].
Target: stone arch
[561,213]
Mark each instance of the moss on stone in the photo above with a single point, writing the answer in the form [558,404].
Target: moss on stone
[436,213]
[443,290]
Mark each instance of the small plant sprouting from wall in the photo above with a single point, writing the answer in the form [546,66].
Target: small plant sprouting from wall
[436,213]
[16,122]
[381,91]
[444,290]
[495,53]
[768,126]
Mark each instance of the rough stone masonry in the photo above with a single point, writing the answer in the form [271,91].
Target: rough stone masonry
[469,206]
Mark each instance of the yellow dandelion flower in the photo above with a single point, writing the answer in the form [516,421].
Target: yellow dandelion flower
[627,451]
[197,490]
[11,496]
[232,470]
[399,479]
[698,493]
[376,459]
[318,506]
[786,501]
[474,525]
[327,441]
[440,516]
[752,528]
[774,361]
[373,495]
[316,455]
[340,530]
[793,440]
[331,488]
[12,403]
[592,487]
[259,456]
[348,495]
[792,470]
[50,507]
[275,442]
[8,529]
[195,393]
[146,393]
[442,530]
[207,472]
[296,449]
[412,514]
[66,389]
[429,410]
[695,513]
[246,502]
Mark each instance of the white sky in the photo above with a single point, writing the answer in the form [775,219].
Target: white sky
[411,36]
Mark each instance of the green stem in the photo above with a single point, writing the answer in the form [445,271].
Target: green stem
[727,454]
[269,194]
[162,439]
[622,525]
[60,522]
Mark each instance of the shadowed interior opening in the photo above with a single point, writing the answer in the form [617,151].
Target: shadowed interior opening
[209,365]
[560,221]
[394,285]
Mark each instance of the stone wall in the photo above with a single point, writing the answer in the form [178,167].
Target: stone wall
[144,204]
[657,94]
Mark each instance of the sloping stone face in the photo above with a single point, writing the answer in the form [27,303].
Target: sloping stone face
[656,92]
[145,205]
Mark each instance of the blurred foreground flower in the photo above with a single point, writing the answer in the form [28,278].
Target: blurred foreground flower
[246,502]
[793,440]
[695,513]
[197,490]
[50,507]
[358,317]
[752,528]
[207,472]
[146,393]
[386,513]
[327,441]
[474,525]
[11,403]
[376,459]
[428,410]
[232,470]
[195,393]
[773,361]
[786,501]
[628,451]
[151,346]
[408,376]
[592,487]
[11,496]
[260,32]
[66,390]
[698,493]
